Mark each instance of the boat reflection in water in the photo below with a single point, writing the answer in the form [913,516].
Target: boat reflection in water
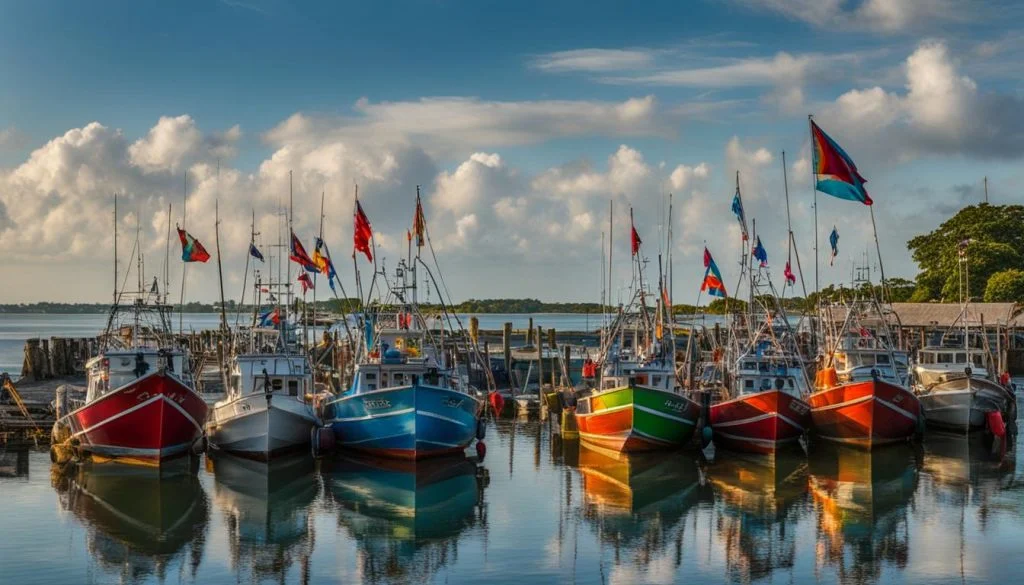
[407,517]
[964,469]
[763,497]
[861,499]
[266,506]
[637,502]
[140,522]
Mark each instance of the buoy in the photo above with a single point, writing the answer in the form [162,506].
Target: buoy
[996,423]
[481,429]
[706,435]
[497,402]
[481,450]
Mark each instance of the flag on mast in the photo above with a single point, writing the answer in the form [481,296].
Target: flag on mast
[635,239]
[255,252]
[835,172]
[760,253]
[300,257]
[419,223]
[712,283]
[833,239]
[362,232]
[307,282]
[737,209]
[788,273]
[191,249]
[328,268]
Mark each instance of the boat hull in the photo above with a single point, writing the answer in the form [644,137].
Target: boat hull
[261,426]
[154,418]
[963,405]
[408,422]
[864,414]
[633,419]
[759,423]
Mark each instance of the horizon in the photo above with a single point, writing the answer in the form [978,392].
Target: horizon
[519,125]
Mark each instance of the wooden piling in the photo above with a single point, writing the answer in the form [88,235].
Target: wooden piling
[474,329]
[554,347]
[567,351]
[506,349]
[529,333]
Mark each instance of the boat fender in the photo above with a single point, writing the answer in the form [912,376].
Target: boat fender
[706,434]
[996,423]
[60,453]
[497,402]
[874,374]
[199,446]
[481,429]
[481,450]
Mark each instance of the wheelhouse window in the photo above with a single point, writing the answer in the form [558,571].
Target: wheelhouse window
[881,359]
[293,387]
[944,358]
[748,384]
[961,358]
[979,360]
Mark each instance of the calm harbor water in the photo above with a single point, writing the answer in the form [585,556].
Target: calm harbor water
[16,328]
[536,510]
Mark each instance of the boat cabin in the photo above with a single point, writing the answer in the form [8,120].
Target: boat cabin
[754,375]
[113,369]
[286,374]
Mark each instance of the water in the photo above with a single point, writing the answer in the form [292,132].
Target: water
[537,510]
[16,328]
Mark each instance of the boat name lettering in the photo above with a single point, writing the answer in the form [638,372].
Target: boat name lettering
[674,406]
[376,404]
[452,403]
[798,407]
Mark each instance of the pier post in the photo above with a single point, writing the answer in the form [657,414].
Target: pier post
[567,350]
[540,370]
[552,343]
[474,329]
[529,333]
[506,349]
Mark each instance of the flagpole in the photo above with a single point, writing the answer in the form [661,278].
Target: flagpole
[355,265]
[167,256]
[184,265]
[115,248]
[320,240]
[245,273]
[878,248]
[814,190]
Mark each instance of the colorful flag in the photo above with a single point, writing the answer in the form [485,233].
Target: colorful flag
[833,239]
[636,241]
[712,284]
[307,282]
[419,223]
[271,317]
[760,253]
[737,209]
[362,233]
[329,270]
[834,170]
[255,252]
[318,258]
[300,256]
[788,273]
[191,249]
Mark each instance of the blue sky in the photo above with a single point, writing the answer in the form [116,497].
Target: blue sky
[521,120]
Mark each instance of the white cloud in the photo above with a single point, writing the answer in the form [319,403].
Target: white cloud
[594,60]
[11,139]
[167,146]
[941,111]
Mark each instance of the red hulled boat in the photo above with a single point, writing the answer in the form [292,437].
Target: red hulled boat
[140,406]
[861,396]
[759,423]
[864,413]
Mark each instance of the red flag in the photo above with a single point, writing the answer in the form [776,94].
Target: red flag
[419,223]
[790,277]
[707,258]
[636,241]
[362,233]
[307,282]
[300,256]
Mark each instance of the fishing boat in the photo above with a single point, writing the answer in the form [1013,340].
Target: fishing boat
[407,398]
[141,405]
[269,407]
[861,393]
[760,407]
[638,403]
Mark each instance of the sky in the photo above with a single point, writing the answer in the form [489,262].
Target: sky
[519,122]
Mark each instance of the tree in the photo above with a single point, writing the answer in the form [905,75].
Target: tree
[1006,286]
[996,235]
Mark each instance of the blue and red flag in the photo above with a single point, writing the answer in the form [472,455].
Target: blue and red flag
[712,284]
[833,239]
[300,257]
[307,282]
[271,317]
[191,249]
[760,253]
[834,170]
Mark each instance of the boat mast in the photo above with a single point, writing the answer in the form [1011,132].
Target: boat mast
[115,249]
[245,273]
[184,265]
[167,256]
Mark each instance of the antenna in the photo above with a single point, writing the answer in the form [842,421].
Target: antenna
[986,189]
